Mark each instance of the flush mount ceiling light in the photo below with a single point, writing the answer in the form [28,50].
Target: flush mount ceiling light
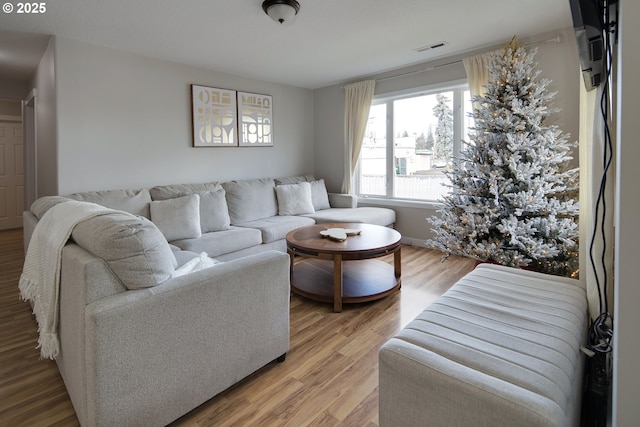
[281,11]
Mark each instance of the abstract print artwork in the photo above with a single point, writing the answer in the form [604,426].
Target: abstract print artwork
[255,120]
[214,117]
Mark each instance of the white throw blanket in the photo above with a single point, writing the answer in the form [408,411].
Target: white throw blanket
[40,277]
[198,263]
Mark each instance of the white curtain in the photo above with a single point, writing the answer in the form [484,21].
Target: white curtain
[592,146]
[477,68]
[357,101]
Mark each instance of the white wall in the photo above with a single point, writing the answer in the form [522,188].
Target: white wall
[124,121]
[626,351]
[46,133]
[558,62]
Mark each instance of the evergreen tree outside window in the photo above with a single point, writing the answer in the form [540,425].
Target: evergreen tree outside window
[443,142]
[430,140]
[398,158]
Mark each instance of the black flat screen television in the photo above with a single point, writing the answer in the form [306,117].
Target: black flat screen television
[588,18]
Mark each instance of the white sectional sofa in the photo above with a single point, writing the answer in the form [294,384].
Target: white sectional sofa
[235,218]
[141,345]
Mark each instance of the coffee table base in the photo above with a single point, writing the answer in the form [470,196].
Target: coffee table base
[363,280]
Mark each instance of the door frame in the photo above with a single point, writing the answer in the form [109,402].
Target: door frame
[30,138]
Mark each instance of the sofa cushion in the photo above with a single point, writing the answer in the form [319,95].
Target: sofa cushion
[214,213]
[277,227]
[366,215]
[294,179]
[133,247]
[177,218]
[294,199]
[251,199]
[132,201]
[222,242]
[319,195]
[503,341]
[43,204]
[341,200]
[164,192]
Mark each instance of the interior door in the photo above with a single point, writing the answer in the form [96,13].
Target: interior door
[11,175]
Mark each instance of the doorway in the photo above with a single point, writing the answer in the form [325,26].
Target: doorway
[11,172]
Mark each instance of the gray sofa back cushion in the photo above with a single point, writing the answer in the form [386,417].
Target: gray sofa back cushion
[43,204]
[214,213]
[319,195]
[294,179]
[249,200]
[164,192]
[133,247]
[132,201]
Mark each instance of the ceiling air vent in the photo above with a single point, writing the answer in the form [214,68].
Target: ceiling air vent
[430,47]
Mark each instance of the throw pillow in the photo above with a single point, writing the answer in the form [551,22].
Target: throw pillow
[319,195]
[294,199]
[177,218]
[132,246]
[214,213]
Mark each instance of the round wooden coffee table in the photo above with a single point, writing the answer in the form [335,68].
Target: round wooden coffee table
[324,277]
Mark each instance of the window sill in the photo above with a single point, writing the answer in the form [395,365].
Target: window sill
[405,203]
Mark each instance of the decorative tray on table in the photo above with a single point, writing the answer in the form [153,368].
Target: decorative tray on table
[339,234]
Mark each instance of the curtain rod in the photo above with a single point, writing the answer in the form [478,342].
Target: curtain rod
[556,39]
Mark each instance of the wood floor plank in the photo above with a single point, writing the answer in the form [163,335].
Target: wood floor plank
[329,378]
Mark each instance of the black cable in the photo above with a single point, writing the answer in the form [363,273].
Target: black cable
[600,333]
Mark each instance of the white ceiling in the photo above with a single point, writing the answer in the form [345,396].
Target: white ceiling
[330,41]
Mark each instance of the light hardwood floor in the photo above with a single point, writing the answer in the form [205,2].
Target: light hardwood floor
[330,376]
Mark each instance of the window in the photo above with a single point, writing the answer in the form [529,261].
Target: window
[410,141]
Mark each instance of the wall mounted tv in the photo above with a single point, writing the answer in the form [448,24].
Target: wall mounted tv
[588,18]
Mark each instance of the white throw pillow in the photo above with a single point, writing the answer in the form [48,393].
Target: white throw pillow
[294,199]
[319,195]
[214,214]
[177,218]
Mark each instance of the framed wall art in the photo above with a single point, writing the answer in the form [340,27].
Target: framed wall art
[214,117]
[255,120]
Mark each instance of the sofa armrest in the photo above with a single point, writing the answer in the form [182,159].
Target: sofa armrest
[338,200]
[29,222]
[154,354]
[417,385]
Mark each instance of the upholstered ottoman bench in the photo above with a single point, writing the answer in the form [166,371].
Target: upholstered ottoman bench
[500,348]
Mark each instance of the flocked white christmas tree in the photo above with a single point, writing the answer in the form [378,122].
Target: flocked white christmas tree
[512,198]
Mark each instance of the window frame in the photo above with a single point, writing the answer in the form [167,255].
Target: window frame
[458,87]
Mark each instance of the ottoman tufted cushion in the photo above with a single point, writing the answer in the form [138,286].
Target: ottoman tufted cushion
[502,343]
